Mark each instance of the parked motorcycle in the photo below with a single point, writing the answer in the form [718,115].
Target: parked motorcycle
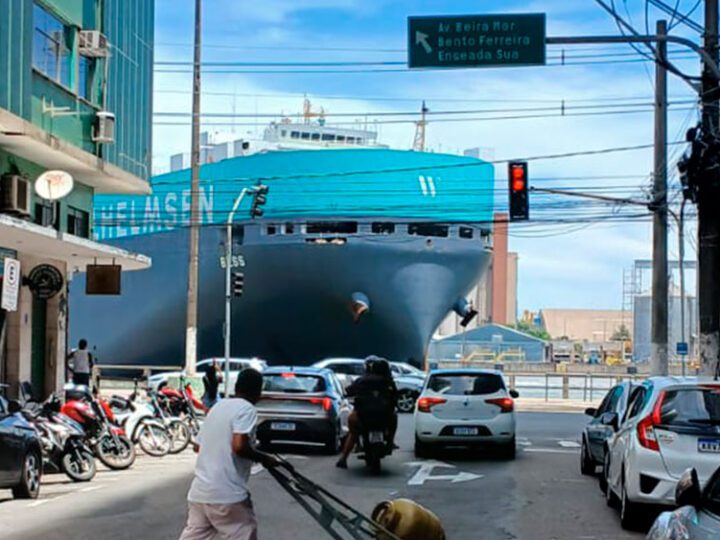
[179,431]
[109,442]
[182,403]
[138,420]
[63,441]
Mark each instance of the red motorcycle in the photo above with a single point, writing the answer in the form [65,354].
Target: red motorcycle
[108,441]
[183,403]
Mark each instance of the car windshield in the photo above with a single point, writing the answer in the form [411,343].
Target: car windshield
[692,407]
[293,383]
[453,384]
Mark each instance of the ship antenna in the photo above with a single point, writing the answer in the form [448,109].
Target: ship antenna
[419,143]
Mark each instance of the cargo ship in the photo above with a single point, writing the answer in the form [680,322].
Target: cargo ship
[361,250]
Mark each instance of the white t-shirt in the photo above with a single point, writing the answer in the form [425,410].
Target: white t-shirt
[80,361]
[221,476]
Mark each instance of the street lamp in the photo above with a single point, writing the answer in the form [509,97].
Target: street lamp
[258,192]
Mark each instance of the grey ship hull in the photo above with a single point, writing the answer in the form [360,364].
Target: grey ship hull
[297,301]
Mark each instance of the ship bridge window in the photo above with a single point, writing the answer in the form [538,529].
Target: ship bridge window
[328,137]
[305,135]
[428,229]
[294,134]
[332,227]
[289,228]
[351,140]
[466,232]
[315,136]
[380,227]
[341,138]
[271,230]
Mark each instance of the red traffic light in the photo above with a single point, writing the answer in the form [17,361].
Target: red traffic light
[517,175]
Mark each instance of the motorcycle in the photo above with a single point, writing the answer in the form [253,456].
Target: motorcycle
[62,440]
[182,403]
[140,424]
[109,442]
[374,442]
[179,431]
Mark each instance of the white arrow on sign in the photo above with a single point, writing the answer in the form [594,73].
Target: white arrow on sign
[421,38]
[424,473]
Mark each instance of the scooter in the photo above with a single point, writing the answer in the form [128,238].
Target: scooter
[138,420]
[109,442]
[375,442]
[63,442]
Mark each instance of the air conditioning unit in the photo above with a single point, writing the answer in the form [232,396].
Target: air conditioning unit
[14,195]
[104,129]
[93,44]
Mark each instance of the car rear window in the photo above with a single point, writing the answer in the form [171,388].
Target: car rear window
[692,407]
[293,383]
[465,385]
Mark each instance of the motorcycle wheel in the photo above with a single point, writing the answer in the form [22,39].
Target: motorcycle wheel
[179,435]
[194,425]
[154,440]
[79,465]
[115,455]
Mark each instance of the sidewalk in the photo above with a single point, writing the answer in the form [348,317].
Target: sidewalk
[553,405]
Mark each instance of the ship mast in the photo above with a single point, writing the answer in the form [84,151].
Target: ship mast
[419,143]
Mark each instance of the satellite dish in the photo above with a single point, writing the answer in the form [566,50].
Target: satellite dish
[54,185]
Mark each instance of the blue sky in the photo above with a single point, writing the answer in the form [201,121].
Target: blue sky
[560,266]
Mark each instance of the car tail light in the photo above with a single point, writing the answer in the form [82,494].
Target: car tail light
[646,426]
[427,403]
[287,375]
[326,403]
[506,404]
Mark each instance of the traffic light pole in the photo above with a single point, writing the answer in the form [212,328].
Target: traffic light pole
[228,285]
[659,342]
[708,215]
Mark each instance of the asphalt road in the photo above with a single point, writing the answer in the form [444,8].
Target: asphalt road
[540,495]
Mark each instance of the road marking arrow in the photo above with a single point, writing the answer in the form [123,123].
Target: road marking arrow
[424,473]
[421,38]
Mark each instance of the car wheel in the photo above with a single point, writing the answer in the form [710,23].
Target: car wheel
[509,450]
[29,486]
[422,449]
[587,465]
[334,441]
[406,401]
[629,511]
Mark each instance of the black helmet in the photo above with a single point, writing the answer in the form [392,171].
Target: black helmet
[377,365]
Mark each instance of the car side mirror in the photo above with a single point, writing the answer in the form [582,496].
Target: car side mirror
[14,407]
[611,419]
[514,394]
[591,411]
[687,491]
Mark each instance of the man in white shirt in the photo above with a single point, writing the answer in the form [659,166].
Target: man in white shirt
[219,502]
[80,362]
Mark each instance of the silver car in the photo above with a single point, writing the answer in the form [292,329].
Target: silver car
[698,517]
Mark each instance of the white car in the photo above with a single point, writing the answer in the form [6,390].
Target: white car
[236,366]
[465,407]
[671,424]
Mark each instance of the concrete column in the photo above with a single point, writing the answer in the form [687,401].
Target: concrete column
[19,341]
[499,313]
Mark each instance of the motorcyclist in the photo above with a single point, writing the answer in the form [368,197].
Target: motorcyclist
[375,396]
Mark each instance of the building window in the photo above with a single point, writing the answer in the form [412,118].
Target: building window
[315,136]
[46,214]
[51,50]
[305,135]
[86,74]
[289,228]
[271,230]
[78,222]
[295,135]
[328,137]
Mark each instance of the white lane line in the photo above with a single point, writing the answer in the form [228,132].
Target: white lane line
[91,488]
[44,501]
[550,451]
[569,444]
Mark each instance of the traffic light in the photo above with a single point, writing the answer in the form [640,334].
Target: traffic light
[518,184]
[238,283]
[259,199]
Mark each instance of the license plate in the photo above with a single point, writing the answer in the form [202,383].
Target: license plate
[465,431]
[376,436]
[710,446]
[282,426]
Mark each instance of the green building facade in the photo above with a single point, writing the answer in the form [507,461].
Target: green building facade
[50,79]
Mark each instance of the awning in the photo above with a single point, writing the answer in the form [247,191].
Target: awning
[31,239]
[28,141]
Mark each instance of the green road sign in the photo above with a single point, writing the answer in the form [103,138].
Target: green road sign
[476,41]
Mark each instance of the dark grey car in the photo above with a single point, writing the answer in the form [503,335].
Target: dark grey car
[599,429]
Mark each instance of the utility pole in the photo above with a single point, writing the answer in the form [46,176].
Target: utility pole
[708,216]
[192,290]
[659,350]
